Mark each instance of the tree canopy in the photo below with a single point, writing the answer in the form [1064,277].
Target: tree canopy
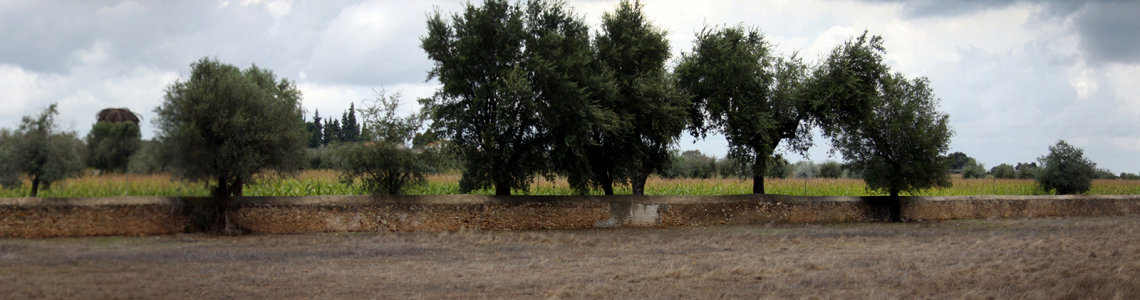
[887,127]
[225,125]
[384,164]
[650,112]
[40,150]
[740,89]
[900,146]
[514,99]
[1065,170]
[111,144]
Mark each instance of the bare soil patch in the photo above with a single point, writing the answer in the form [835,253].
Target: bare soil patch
[1041,258]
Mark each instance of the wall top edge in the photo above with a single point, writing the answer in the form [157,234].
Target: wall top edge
[510,200]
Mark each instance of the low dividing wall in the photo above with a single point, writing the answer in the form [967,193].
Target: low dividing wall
[36,217]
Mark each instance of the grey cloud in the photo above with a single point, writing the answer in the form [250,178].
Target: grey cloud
[1108,30]
[372,44]
[1008,108]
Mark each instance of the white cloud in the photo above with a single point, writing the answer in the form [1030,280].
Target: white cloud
[279,8]
[1125,81]
[19,90]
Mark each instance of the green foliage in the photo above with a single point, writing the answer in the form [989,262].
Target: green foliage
[738,88]
[1027,170]
[1004,171]
[691,164]
[514,99]
[331,132]
[973,169]
[887,127]
[1066,170]
[224,125]
[805,169]
[322,158]
[149,159]
[1129,176]
[830,169]
[38,149]
[957,161]
[381,168]
[315,130]
[110,145]
[384,164]
[779,167]
[1103,174]
[349,130]
[845,89]
[649,111]
[382,123]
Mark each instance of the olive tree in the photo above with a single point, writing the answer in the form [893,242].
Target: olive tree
[737,87]
[887,127]
[1065,170]
[900,146]
[650,111]
[40,150]
[223,125]
[514,96]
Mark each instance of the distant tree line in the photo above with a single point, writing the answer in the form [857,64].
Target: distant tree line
[321,132]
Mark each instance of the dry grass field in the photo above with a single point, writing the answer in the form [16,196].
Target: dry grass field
[1042,258]
[325,182]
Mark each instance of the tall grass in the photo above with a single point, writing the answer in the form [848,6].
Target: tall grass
[326,182]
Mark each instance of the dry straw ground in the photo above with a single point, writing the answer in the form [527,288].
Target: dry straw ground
[1063,258]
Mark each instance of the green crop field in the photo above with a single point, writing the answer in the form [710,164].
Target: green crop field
[325,182]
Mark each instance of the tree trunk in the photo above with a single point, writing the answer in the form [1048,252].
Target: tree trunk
[35,185]
[238,187]
[637,183]
[502,189]
[222,203]
[608,188]
[758,169]
[895,206]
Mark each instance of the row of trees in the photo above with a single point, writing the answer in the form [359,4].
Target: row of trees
[526,91]
[694,164]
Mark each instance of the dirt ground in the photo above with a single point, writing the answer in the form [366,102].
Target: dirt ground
[1042,258]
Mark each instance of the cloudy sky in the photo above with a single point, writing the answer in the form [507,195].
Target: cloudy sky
[1014,76]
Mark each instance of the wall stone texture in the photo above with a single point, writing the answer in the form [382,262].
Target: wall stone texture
[56,217]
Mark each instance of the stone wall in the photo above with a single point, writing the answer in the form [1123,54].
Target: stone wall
[54,217]
[39,217]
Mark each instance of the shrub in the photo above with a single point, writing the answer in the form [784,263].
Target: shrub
[149,159]
[1103,174]
[1027,170]
[1066,170]
[1129,176]
[973,169]
[1004,171]
[692,164]
[382,168]
[323,157]
[830,169]
[806,169]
